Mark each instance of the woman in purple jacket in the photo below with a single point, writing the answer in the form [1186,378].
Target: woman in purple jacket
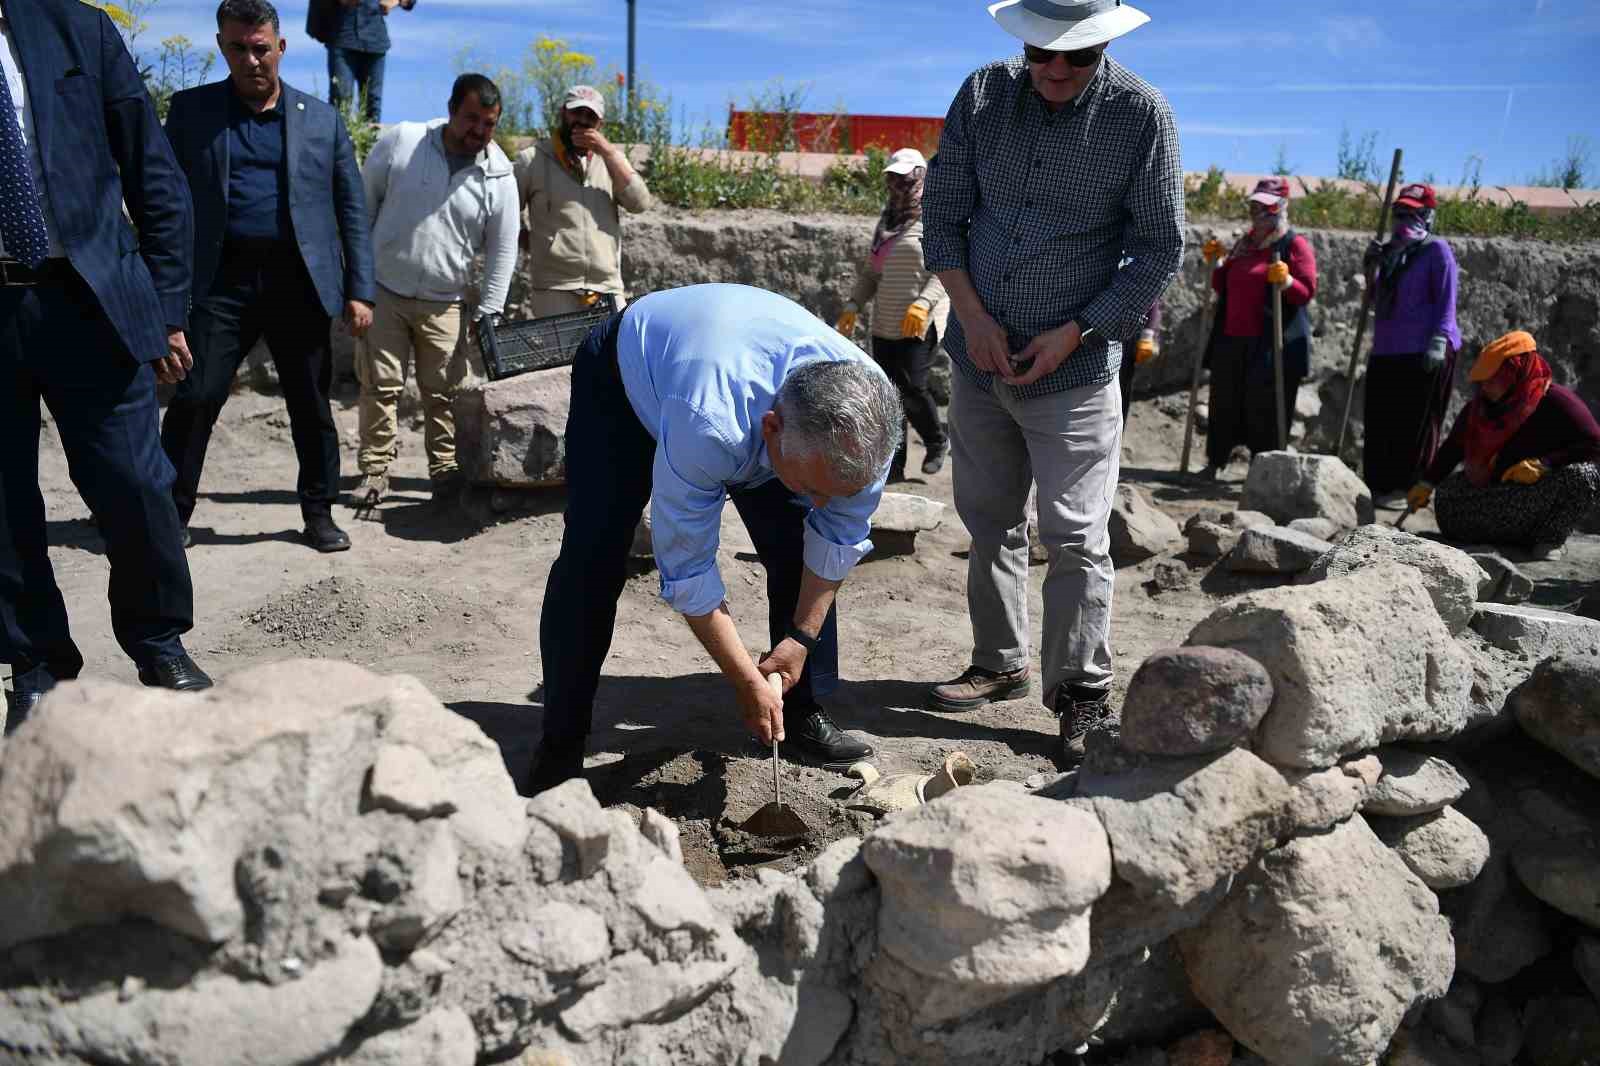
[1415,341]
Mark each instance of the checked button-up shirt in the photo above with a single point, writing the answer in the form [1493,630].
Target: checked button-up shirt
[1040,206]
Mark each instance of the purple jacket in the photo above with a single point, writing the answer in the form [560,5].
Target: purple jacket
[1424,305]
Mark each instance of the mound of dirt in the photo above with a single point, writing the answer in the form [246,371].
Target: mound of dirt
[340,617]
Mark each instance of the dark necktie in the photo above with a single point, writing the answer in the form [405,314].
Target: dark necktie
[21,220]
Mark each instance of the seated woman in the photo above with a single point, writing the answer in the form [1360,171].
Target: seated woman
[1529,451]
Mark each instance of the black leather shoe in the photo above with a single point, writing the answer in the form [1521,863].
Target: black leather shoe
[814,739]
[19,705]
[933,462]
[179,674]
[554,765]
[324,535]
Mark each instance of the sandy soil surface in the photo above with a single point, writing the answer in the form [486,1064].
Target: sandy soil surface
[454,598]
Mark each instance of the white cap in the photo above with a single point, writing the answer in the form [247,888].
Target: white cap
[1067,25]
[585,96]
[905,161]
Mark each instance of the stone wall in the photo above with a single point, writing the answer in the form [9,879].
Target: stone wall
[1287,846]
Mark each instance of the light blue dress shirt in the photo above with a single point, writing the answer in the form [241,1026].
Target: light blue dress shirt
[701,365]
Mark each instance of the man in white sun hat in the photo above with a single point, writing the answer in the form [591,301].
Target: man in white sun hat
[571,184]
[1053,166]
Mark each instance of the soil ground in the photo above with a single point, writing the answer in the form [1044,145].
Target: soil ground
[453,597]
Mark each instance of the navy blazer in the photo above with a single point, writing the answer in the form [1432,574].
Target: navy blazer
[101,145]
[327,202]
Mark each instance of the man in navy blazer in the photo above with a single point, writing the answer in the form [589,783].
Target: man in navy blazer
[92,314]
[281,246]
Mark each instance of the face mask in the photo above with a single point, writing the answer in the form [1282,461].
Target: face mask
[1409,228]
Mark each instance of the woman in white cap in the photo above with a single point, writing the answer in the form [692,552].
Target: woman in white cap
[909,306]
[1243,382]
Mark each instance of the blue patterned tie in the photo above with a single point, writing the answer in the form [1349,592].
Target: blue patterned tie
[21,221]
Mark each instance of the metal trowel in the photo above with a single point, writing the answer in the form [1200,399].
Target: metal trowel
[774,819]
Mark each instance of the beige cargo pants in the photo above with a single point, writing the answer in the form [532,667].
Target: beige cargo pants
[406,331]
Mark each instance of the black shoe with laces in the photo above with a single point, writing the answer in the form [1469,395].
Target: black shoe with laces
[933,461]
[178,673]
[813,738]
[1081,710]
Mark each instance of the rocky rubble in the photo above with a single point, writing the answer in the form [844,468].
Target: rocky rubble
[1316,835]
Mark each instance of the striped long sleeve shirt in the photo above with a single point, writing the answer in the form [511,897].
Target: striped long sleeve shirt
[1040,206]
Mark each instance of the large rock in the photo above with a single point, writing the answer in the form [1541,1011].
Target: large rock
[1189,701]
[1321,949]
[899,518]
[1561,1030]
[1536,633]
[989,889]
[214,1017]
[1275,550]
[1342,682]
[1138,529]
[1290,485]
[1414,782]
[1178,827]
[192,796]
[1451,577]
[512,433]
[1503,582]
[1212,534]
[1565,873]
[443,1037]
[1559,706]
[1444,848]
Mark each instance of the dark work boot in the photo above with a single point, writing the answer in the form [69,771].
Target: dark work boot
[933,461]
[553,765]
[813,738]
[1082,710]
[323,534]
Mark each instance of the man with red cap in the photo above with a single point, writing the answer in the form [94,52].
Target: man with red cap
[1415,339]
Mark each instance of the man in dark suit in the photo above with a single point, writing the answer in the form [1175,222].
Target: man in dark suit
[92,314]
[282,244]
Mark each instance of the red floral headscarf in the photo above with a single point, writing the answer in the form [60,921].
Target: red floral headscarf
[1490,423]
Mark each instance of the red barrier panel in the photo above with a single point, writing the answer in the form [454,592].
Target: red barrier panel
[811,132]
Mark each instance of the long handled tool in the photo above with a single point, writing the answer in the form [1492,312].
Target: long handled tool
[774,819]
[1194,376]
[1366,306]
[1277,360]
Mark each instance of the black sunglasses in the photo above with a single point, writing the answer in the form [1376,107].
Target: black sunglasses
[1083,57]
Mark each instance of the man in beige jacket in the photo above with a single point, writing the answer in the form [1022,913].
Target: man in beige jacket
[571,185]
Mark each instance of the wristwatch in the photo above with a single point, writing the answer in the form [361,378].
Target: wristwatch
[1084,332]
[800,637]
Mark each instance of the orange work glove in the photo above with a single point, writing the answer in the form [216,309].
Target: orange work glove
[915,324]
[1212,251]
[1419,495]
[1526,472]
[847,320]
[1146,349]
[1278,274]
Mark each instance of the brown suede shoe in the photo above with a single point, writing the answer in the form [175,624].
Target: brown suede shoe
[976,687]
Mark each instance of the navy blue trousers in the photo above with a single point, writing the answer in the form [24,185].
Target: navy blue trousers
[56,345]
[356,76]
[609,457]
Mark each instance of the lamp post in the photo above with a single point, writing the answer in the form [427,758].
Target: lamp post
[632,96]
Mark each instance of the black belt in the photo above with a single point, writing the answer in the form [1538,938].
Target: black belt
[14,274]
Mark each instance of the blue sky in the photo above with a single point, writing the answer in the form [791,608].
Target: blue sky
[1509,81]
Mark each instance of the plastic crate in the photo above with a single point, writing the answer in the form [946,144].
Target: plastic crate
[512,348]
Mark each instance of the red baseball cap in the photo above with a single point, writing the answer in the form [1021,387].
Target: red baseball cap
[1417,195]
[1270,191]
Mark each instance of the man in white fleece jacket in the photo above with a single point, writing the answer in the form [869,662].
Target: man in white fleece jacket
[438,193]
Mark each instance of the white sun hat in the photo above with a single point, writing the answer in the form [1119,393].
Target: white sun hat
[1067,25]
[905,161]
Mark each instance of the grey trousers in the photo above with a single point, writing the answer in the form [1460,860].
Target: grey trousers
[1070,443]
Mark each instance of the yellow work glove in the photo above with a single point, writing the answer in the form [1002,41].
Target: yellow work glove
[1212,251]
[847,320]
[1526,472]
[915,324]
[1278,274]
[1419,496]
[1146,349]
